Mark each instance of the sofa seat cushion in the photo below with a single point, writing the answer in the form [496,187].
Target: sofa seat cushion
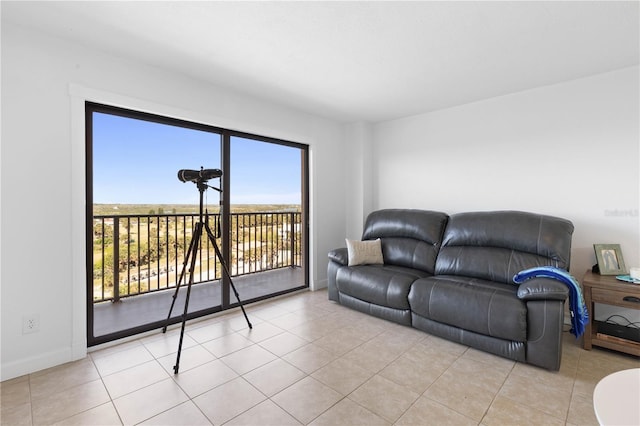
[384,285]
[481,306]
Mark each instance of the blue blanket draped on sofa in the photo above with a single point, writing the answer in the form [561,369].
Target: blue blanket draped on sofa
[577,307]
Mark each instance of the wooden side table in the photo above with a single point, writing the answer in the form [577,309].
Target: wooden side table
[608,290]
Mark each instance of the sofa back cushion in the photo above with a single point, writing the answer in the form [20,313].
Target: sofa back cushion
[497,245]
[410,238]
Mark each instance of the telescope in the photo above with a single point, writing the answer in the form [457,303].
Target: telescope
[201,175]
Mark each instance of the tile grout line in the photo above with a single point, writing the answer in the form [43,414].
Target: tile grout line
[346,321]
[493,399]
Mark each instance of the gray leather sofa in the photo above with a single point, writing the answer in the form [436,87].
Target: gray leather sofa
[451,276]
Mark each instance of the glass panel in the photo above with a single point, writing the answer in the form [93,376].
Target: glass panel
[143,221]
[266,217]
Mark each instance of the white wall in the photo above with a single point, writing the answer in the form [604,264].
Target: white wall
[44,84]
[569,150]
[358,175]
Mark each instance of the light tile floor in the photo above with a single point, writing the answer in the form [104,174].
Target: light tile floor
[307,361]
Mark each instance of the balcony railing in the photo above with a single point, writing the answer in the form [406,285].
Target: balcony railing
[138,254]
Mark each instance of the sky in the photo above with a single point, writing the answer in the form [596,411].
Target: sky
[137,162]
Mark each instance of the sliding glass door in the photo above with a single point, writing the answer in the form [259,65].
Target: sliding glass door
[141,219]
[268,214]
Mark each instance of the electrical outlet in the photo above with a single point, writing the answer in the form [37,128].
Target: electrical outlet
[30,323]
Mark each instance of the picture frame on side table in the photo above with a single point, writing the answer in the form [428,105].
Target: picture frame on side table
[610,260]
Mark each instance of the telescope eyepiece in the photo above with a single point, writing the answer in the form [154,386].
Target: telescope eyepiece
[202,175]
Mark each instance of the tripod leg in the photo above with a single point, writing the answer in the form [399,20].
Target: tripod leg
[226,271]
[190,251]
[195,242]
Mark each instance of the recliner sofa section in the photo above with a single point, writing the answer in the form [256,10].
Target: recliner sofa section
[451,276]
[410,242]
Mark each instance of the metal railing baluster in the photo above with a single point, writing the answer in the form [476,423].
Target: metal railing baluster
[116,259]
[260,243]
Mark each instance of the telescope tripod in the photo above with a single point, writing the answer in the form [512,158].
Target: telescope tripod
[190,258]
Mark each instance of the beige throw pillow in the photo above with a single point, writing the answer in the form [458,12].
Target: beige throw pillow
[364,252]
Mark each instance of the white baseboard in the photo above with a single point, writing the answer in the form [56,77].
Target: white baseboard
[32,364]
[319,285]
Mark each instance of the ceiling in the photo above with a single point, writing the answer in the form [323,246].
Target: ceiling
[356,61]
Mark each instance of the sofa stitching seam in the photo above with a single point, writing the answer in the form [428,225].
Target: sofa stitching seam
[431,298]
[489,313]
[539,234]
[544,324]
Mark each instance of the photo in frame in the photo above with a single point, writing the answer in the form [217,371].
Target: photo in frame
[610,260]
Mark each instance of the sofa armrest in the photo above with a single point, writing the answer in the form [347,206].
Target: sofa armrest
[340,256]
[543,289]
